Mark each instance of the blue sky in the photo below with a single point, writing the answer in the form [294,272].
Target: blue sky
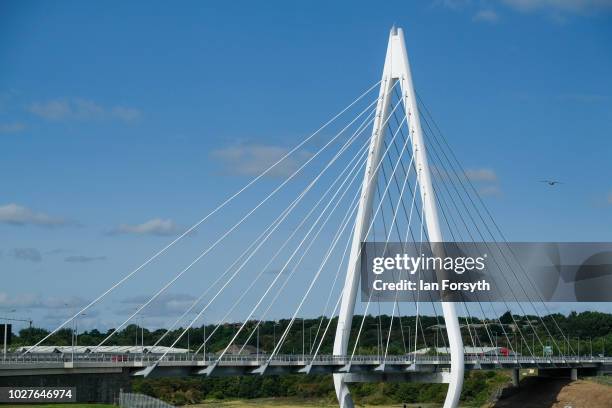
[123,123]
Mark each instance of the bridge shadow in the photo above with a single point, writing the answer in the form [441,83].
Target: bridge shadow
[534,392]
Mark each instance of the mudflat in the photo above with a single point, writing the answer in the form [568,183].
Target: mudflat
[559,393]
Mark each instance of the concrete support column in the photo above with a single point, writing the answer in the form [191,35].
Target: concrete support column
[516,377]
[574,374]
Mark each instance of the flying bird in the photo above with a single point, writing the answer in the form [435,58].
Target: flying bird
[551,182]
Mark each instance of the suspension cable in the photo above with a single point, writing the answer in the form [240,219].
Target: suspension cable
[197,224]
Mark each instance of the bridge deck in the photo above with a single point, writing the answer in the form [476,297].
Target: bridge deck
[190,364]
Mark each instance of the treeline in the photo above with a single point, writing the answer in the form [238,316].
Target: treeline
[584,331]
[477,389]
[302,337]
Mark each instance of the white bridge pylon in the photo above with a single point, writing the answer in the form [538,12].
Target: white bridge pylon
[396,69]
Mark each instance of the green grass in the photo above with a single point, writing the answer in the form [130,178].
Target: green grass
[605,380]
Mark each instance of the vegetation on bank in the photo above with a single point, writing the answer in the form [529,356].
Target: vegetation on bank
[584,331]
[478,388]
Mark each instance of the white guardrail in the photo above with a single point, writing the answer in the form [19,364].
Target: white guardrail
[290,359]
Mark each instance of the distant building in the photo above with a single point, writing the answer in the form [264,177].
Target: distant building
[102,349]
[470,351]
[241,350]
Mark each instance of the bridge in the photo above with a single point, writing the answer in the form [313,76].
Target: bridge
[414,191]
[361,367]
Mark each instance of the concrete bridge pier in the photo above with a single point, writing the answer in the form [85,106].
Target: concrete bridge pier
[574,374]
[516,378]
[567,372]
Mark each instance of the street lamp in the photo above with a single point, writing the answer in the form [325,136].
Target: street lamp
[204,343]
[274,324]
[310,339]
[6,320]
[258,342]
[5,334]
[71,332]
[409,336]
[135,334]
[378,340]
[76,334]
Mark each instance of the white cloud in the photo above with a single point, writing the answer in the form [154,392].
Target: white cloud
[27,254]
[482,174]
[36,301]
[156,226]
[58,251]
[53,317]
[454,4]
[252,160]
[15,214]
[561,6]
[48,312]
[486,181]
[52,110]
[488,16]
[87,109]
[167,304]
[557,10]
[11,127]
[126,114]
[490,191]
[81,109]
[83,258]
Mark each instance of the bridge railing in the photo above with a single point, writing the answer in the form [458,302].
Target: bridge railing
[289,359]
